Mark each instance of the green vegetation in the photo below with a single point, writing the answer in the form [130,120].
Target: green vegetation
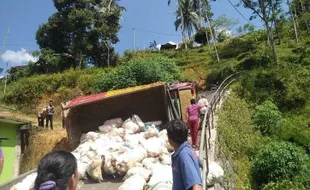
[238,140]
[138,72]
[267,118]
[278,161]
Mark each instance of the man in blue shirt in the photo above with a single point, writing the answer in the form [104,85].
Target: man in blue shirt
[185,163]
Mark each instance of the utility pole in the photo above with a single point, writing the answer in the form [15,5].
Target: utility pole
[5,39]
[133,39]
[6,78]
[7,64]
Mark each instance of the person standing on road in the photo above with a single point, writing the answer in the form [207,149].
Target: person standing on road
[193,121]
[50,114]
[1,160]
[185,162]
[203,101]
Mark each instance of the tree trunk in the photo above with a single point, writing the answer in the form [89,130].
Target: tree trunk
[275,24]
[269,32]
[183,28]
[268,37]
[304,10]
[294,22]
[79,61]
[297,23]
[214,41]
[207,37]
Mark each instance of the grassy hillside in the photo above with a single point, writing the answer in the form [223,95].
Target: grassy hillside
[272,102]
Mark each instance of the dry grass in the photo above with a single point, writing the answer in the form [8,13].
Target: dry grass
[41,142]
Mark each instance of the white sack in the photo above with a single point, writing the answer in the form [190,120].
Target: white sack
[163,137]
[164,185]
[153,146]
[26,184]
[133,183]
[116,121]
[139,122]
[85,159]
[107,128]
[151,132]
[134,139]
[92,136]
[160,173]
[82,169]
[165,159]
[147,162]
[77,155]
[84,147]
[94,169]
[91,154]
[130,125]
[216,173]
[138,171]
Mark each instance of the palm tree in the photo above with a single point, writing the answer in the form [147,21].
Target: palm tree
[153,45]
[186,19]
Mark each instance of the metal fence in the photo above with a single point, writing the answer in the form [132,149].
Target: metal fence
[208,124]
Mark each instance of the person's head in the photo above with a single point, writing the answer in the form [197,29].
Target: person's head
[57,171]
[177,132]
[193,101]
[203,96]
[51,102]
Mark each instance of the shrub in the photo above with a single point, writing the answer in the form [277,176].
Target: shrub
[267,118]
[237,139]
[284,185]
[287,91]
[279,161]
[86,83]
[138,72]
[217,75]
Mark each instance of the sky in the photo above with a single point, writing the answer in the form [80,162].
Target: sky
[152,20]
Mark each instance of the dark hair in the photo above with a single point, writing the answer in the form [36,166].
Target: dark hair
[177,131]
[51,101]
[58,167]
[193,101]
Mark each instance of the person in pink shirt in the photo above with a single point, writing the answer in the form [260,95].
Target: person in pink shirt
[1,161]
[193,111]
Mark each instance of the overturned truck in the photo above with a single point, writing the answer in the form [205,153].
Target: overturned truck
[153,102]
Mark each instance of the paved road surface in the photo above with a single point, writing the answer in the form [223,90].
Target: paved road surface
[108,184]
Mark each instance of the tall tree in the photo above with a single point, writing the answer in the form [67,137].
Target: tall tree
[265,9]
[301,11]
[78,30]
[289,4]
[186,18]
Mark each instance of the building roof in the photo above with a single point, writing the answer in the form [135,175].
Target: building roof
[13,121]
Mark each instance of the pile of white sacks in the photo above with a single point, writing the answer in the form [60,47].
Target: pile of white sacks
[142,157]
